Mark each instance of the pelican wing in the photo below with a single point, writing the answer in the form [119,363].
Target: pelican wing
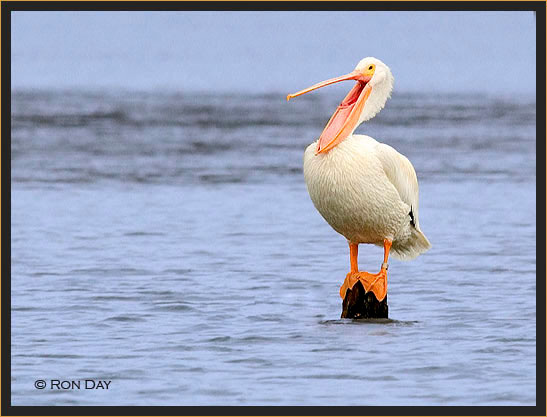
[401,174]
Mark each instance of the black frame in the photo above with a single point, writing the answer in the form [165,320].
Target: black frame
[8,6]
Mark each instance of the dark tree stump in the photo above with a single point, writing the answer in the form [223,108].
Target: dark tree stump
[359,304]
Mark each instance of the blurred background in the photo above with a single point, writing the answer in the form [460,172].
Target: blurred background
[490,52]
[163,237]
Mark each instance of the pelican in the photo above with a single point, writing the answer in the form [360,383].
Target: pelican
[366,190]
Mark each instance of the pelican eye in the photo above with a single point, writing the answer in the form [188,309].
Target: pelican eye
[370,67]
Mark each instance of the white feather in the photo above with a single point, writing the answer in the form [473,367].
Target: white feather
[364,189]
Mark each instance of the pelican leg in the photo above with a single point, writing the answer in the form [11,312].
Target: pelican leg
[377,283]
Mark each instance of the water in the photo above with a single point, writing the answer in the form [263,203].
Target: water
[166,242]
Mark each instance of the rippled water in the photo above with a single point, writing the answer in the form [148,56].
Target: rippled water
[166,242]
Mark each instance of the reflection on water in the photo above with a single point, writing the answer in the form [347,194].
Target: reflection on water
[166,242]
[371,322]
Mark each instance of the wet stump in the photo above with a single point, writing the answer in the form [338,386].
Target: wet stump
[359,304]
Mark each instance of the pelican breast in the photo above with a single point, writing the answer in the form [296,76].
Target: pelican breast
[350,188]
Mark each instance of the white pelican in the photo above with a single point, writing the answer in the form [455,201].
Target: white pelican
[366,190]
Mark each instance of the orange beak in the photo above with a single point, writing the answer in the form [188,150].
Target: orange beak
[344,120]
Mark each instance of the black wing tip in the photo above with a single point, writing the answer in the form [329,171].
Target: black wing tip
[411,214]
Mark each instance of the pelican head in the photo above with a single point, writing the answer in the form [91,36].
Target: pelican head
[363,102]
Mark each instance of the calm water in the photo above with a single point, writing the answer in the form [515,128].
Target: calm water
[166,243]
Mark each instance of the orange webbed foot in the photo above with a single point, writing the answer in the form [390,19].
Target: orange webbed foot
[377,283]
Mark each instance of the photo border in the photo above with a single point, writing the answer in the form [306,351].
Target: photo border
[6,7]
